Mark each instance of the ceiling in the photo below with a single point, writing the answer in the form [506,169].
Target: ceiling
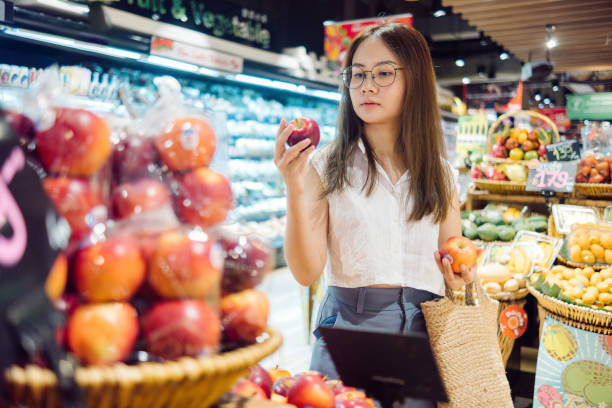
[583,29]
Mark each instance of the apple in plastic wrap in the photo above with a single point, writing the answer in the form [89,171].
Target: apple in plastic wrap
[139,197]
[247,260]
[186,144]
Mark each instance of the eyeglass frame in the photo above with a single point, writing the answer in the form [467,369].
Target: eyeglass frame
[372,76]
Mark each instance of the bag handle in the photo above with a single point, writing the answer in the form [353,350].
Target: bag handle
[469,293]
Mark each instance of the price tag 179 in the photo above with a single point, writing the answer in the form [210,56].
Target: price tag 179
[563,151]
[553,176]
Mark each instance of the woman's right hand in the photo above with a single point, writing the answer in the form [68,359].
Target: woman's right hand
[291,162]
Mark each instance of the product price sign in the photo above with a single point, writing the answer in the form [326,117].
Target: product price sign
[553,176]
[563,151]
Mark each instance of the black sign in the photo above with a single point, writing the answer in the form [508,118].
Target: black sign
[215,17]
[553,176]
[563,151]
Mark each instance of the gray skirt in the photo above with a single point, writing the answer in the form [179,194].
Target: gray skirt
[391,310]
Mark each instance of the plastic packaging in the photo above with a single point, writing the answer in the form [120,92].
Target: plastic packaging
[590,244]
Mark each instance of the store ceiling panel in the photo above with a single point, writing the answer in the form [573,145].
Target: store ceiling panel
[583,29]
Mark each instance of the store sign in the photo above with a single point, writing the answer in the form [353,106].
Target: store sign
[218,18]
[196,55]
[563,151]
[596,106]
[558,116]
[472,134]
[553,176]
[574,368]
[339,34]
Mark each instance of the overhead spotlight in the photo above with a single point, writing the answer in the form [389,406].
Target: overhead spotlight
[439,13]
[537,97]
[546,101]
[459,62]
[555,85]
[466,80]
[540,105]
[504,56]
[551,42]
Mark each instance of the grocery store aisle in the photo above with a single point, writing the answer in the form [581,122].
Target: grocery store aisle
[286,298]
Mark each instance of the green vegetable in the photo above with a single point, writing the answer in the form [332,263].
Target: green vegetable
[476,218]
[523,224]
[487,232]
[465,215]
[492,217]
[506,232]
[539,225]
[469,229]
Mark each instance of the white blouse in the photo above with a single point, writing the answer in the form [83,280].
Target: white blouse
[370,241]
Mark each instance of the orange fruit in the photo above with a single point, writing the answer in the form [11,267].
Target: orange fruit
[587,256]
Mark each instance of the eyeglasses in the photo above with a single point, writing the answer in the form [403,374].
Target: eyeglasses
[382,74]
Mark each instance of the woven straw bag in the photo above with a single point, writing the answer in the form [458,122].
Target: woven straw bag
[464,343]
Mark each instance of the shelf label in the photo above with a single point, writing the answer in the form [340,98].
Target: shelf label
[553,176]
[563,151]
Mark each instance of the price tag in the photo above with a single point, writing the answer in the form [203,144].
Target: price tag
[563,151]
[513,321]
[553,176]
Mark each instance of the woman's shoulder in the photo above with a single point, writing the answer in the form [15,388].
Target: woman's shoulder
[320,157]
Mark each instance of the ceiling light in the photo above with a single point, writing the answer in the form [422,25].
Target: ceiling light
[537,97]
[551,43]
[555,88]
[459,62]
[466,80]
[439,13]
[546,101]
[504,56]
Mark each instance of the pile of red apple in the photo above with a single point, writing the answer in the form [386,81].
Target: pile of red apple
[173,290]
[309,389]
[594,169]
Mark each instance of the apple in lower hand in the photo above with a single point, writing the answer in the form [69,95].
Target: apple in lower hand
[186,144]
[244,315]
[76,200]
[248,389]
[304,128]
[139,197]
[77,144]
[310,391]
[204,197]
[186,266]
[261,377]
[111,270]
[102,333]
[459,251]
[247,260]
[177,328]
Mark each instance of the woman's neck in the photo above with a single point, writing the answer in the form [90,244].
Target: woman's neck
[382,138]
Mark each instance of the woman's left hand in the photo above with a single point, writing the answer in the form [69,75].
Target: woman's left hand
[454,280]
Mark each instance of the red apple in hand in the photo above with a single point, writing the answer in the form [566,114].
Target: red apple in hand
[77,144]
[304,128]
[261,377]
[78,201]
[102,333]
[186,144]
[459,251]
[244,315]
[184,266]
[204,197]
[111,270]
[248,389]
[247,260]
[310,391]
[139,197]
[177,328]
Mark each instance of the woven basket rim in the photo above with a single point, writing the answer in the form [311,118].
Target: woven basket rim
[538,115]
[502,296]
[593,189]
[188,367]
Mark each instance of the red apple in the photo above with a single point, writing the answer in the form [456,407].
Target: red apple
[186,144]
[56,280]
[261,377]
[338,387]
[138,197]
[111,270]
[102,333]
[355,403]
[277,373]
[244,315]
[459,251]
[134,157]
[186,266]
[498,151]
[248,389]
[78,201]
[177,328]
[304,128]
[23,126]
[204,197]
[476,173]
[247,260]
[282,386]
[309,390]
[77,144]
[542,150]
[350,395]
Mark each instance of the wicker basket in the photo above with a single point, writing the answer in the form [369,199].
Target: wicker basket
[505,299]
[581,317]
[187,382]
[504,187]
[552,231]
[593,189]
[499,121]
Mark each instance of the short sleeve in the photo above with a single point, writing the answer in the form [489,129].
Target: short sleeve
[319,159]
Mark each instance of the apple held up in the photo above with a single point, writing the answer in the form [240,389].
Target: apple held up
[459,251]
[304,128]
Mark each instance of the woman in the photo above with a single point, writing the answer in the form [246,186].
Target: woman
[373,207]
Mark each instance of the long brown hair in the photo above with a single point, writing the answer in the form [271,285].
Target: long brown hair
[420,140]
